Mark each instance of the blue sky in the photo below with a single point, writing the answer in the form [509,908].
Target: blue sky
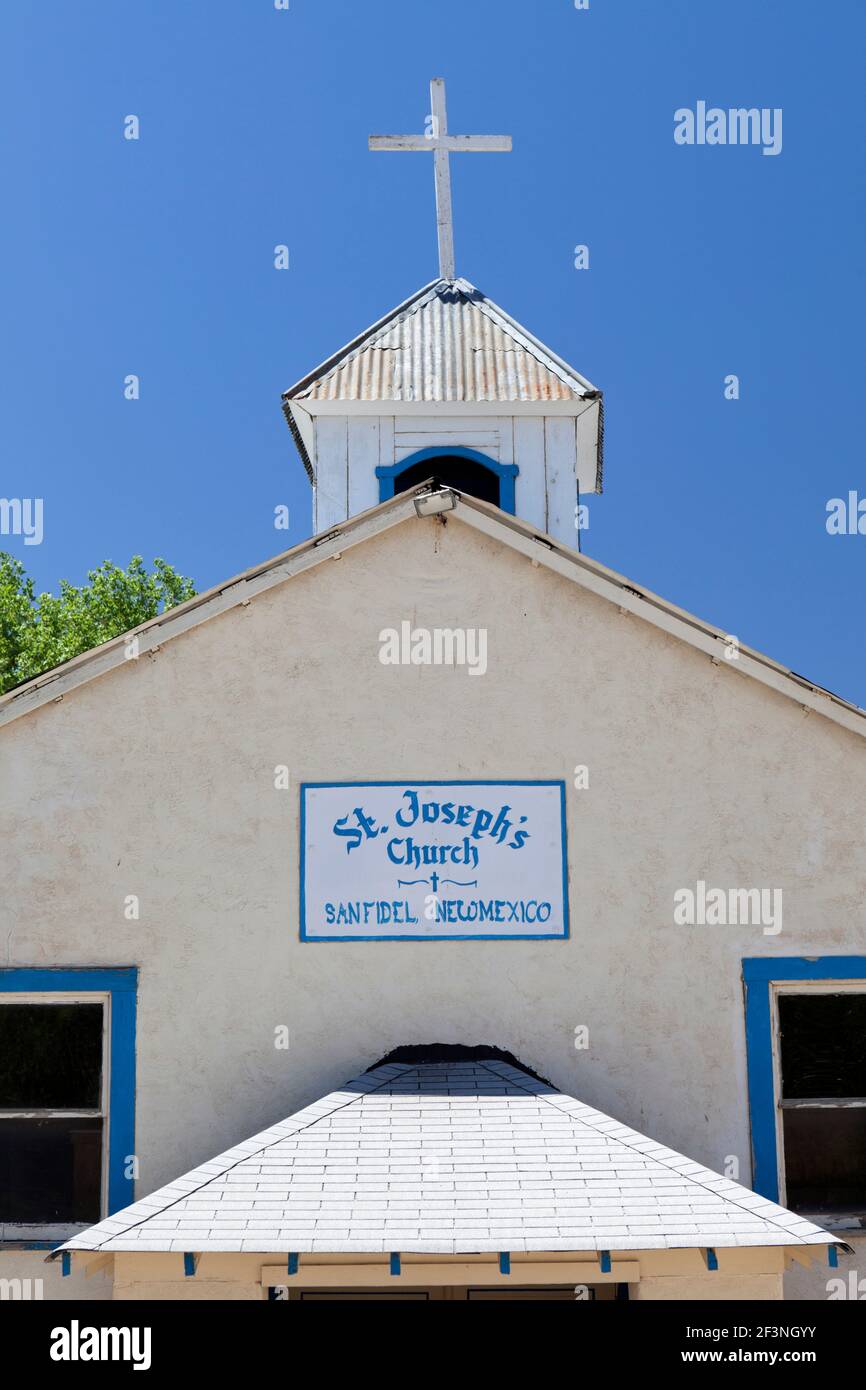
[155,257]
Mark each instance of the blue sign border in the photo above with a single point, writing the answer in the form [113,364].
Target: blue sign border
[441,782]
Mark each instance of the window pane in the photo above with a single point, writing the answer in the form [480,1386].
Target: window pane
[823,1042]
[825,1159]
[50,1056]
[50,1170]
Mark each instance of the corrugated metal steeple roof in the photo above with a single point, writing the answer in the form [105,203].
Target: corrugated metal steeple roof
[448,342]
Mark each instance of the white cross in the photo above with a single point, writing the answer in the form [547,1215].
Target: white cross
[442,144]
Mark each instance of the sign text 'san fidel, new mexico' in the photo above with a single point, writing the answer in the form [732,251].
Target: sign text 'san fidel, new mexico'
[438,861]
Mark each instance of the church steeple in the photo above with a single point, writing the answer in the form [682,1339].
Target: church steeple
[448,385]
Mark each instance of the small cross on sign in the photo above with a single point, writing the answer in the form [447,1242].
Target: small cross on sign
[443,145]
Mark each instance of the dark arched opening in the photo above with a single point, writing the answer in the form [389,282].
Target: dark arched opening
[465,470]
[453,470]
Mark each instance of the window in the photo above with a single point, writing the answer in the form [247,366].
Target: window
[52,1112]
[806,1044]
[822,1098]
[67,1067]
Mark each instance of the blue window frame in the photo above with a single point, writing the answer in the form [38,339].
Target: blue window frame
[505,472]
[760,975]
[120,985]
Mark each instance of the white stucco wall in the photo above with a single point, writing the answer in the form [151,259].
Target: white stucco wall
[158,780]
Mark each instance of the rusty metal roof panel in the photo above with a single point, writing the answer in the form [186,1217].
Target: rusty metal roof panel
[449,342]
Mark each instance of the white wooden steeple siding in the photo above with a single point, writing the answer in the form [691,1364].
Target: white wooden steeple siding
[446,369]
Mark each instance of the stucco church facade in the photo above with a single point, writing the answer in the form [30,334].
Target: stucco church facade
[431,911]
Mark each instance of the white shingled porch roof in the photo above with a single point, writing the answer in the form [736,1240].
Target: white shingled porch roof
[448,1158]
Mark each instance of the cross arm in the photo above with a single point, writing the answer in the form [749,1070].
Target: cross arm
[491,144]
[399,142]
[454,144]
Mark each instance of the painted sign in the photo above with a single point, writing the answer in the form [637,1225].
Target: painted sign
[433,861]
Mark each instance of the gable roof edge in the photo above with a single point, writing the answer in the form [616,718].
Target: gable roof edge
[58,681]
[482,516]
[677,622]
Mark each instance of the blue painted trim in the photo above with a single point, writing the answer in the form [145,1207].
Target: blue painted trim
[188,1266]
[121,984]
[605,1262]
[441,782]
[759,973]
[505,472]
[293,1264]
[505,1262]
[833,1257]
[65,1263]
[782,969]
[395,1262]
[24,979]
[712,1258]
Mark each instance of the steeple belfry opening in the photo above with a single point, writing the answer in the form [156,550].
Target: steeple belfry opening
[465,470]
[452,470]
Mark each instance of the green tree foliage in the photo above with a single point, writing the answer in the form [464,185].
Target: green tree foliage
[38,633]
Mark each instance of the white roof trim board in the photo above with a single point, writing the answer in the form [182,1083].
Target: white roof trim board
[543,550]
[449,1158]
[447,342]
